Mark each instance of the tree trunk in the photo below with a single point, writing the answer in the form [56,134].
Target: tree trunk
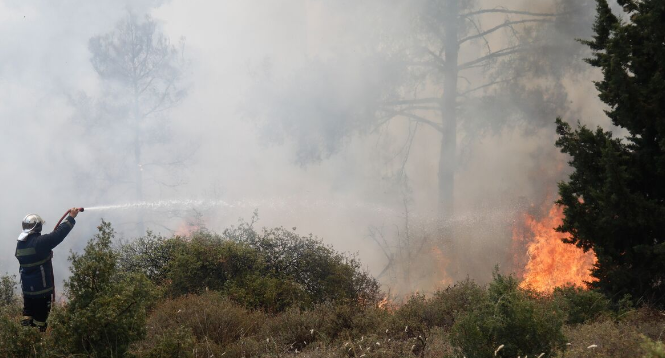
[449,115]
[138,168]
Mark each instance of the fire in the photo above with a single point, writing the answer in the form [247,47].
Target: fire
[551,262]
[186,229]
[442,264]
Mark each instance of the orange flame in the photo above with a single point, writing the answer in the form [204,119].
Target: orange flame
[551,262]
[186,229]
[442,263]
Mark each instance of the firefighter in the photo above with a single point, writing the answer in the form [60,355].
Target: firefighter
[34,252]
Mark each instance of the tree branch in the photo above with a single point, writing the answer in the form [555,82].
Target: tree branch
[484,86]
[506,11]
[497,54]
[430,100]
[498,27]
[417,118]
[438,59]
[477,26]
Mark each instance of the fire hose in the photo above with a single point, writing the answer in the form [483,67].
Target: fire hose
[64,216]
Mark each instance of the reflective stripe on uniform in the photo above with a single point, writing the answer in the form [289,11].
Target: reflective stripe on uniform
[37,263]
[25,252]
[33,293]
[43,275]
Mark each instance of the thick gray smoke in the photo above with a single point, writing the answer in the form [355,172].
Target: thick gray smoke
[269,121]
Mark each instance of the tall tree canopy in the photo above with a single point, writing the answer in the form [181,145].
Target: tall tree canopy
[141,75]
[615,198]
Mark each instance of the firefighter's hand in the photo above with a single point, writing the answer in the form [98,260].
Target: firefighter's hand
[73,212]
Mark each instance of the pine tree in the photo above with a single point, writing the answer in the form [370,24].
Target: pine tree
[614,201]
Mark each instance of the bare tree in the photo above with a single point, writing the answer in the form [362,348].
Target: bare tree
[142,74]
[445,29]
[447,70]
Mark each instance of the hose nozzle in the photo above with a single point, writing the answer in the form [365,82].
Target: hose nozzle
[65,215]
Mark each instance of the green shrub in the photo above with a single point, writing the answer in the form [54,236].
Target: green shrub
[207,262]
[106,311]
[518,320]
[149,255]
[653,349]
[294,329]
[8,290]
[215,322]
[603,339]
[176,343]
[323,273]
[349,321]
[580,305]
[646,320]
[17,341]
[270,270]
[441,309]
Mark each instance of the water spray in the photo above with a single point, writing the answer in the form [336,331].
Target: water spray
[65,215]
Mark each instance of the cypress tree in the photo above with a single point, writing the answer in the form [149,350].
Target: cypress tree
[614,201]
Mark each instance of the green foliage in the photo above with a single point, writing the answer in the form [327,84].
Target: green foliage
[615,198]
[653,349]
[603,339]
[107,308]
[323,273]
[209,323]
[445,305]
[580,305]
[523,323]
[176,343]
[19,342]
[209,262]
[271,270]
[7,290]
[149,255]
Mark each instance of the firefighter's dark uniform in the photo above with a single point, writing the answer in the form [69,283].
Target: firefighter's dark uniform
[34,255]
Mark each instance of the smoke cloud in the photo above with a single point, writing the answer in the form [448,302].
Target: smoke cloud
[269,123]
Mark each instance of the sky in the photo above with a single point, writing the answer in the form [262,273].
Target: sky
[242,57]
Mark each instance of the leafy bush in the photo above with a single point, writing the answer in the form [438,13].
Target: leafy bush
[323,273]
[445,305]
[580,305]
[17,341]
[209,262]
[646,320]
[8,290]
[107,308]
[271,270]
[176,343]
[210,323]
[653,349]
[521,322]
[149,255]
[295,329]
[603,339]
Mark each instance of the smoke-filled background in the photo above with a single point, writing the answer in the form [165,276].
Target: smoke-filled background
[324,116]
